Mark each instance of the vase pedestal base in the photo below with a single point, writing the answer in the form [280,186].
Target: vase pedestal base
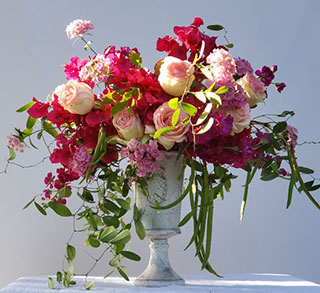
[159,272]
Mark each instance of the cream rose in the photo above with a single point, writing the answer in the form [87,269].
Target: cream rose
[254,88]
[128,125]
[175,76]
[241,118]
[75,97]
[162,117]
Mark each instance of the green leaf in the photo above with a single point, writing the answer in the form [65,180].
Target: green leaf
[123,274]
[214,98]
[204,114]
[50,283]
[12,154]
[40,208]
[70,268]
[111,221]
[59,277]
[90,286]
[119,107]
[135,59]
[29,203]
[86,196]
[205,71]
[122,238]
[175,117]
[140,230]
[185,219]
[94,242]
[280,127]
[285,113]
[64,192]
[111,206]
[173,103]
[114,261]
[189,109]
[31,122]
[215,27]
[200,96]
[207,126]
[290,189]
[221,90]
[60,209]
[49,128]
[71,252]
[269,176]
[26,107]
[107,234]
[305,170]
[230,45]
[130,255]
[163,131]
[123,203]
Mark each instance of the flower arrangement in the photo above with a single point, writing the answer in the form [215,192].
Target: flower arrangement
[198,101]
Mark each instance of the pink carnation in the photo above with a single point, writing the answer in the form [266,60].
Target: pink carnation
[78,27]
[96,70]
[221,64]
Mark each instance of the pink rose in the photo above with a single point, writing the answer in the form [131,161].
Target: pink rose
[75,97]
[128,125]
[162,117]
[175,76]
[241,118]
[254,88]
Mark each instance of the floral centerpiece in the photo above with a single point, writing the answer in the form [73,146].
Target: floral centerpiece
[198,102]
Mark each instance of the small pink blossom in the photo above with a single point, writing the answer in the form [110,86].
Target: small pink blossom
[143,156]
[15,143]
[80,161]
[96,70]
[221,63]
[78,27]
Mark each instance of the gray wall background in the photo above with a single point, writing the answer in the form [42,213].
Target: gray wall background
[34,46]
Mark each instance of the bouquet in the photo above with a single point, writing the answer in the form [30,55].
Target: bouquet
[198,101]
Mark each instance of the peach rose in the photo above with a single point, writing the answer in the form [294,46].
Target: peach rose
[254,88]
[175,76]
[241,118]
[162,118]
[128,125]
[75,97]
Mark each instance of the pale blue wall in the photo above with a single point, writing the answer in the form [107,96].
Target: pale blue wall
[34,46]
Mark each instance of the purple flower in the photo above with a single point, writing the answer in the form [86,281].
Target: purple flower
[242,66]
[266,75]
[280,86]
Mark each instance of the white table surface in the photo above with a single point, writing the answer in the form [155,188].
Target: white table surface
[201,283]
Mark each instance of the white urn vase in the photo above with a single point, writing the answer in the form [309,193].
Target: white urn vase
[164,187]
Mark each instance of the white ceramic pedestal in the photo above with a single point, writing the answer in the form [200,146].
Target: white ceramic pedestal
[165,186]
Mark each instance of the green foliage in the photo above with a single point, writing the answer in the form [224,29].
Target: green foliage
[135,59]
[40,208]
[26,107]
[162,131]
[130,255]
[60,209]
[71,252]
[215,27]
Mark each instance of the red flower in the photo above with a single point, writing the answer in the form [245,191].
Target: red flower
[39,109]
